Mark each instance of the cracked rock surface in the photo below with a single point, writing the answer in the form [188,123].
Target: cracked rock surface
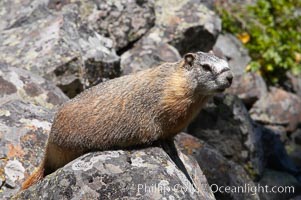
[27,105]
[138,174]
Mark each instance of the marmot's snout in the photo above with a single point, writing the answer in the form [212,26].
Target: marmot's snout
[229,78]
[225,79]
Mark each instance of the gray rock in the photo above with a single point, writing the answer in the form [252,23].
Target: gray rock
[20,84]
[285,182]
[100,59]
[218,170]
[295,83]
[64,40]
[24,129]
[231,48]
[249,87]
[187,25]
[278,130]
[61,49]
[226,125]
[123,21]
[27,104]
[115,174]
[296,136]
[278,108]
[14,13]
[296,198]
[276,155]
[148,52]
[294,152]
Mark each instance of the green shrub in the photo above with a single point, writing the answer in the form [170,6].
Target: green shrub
[271,31]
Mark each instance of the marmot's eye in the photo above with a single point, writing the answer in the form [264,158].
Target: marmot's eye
[206,68]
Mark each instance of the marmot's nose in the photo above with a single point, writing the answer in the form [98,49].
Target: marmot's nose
[229,78]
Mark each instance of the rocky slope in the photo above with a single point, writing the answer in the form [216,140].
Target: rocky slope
[52,49]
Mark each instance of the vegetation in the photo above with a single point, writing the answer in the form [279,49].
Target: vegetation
[271,31]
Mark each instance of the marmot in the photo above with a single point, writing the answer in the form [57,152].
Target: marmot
[141,108]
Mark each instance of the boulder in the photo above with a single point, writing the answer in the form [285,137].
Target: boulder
[229,47]
[20,84]
[123,21]
[180,27]
[27,104]
[100,59]
[148,52]
[24,131]
[14,13]
[294,82]
[187,25]
[294,152]
[276,156]
[296,197]
[285,186]
[296,136]
[73,42]
[249,87]
[226,125]
[145,174]
[57,46]
[279,108]
[219,171]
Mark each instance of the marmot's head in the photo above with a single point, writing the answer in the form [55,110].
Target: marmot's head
[208,73]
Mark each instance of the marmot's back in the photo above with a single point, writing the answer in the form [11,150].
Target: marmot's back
[112,112]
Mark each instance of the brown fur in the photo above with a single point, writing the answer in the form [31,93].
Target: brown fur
[131,110]
[36,176]
[180,103]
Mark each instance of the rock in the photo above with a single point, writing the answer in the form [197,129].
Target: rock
[27,103]
[294,152]
[287,185]
[226,125]
[296,136]
[24,131]
[61,49]
[187,25]
[123,21]
[296,198]
[13,13]
[276,155]
[295,83]
[249,87]
[218,170]
[20,84]
[278,107]
[115,174]
[100,59]
[232,49]
[148,52]
[66,41]
[293,148]
[279,131]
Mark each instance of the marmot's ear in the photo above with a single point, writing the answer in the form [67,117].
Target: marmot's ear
[189,58]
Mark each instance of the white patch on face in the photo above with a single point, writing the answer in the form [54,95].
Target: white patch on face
[221,65]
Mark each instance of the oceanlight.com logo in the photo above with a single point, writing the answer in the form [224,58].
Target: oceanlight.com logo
[163,187]
[252,189]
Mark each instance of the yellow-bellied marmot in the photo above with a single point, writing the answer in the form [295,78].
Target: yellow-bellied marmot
[141,108]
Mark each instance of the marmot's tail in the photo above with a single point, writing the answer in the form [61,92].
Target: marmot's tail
[37,175]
